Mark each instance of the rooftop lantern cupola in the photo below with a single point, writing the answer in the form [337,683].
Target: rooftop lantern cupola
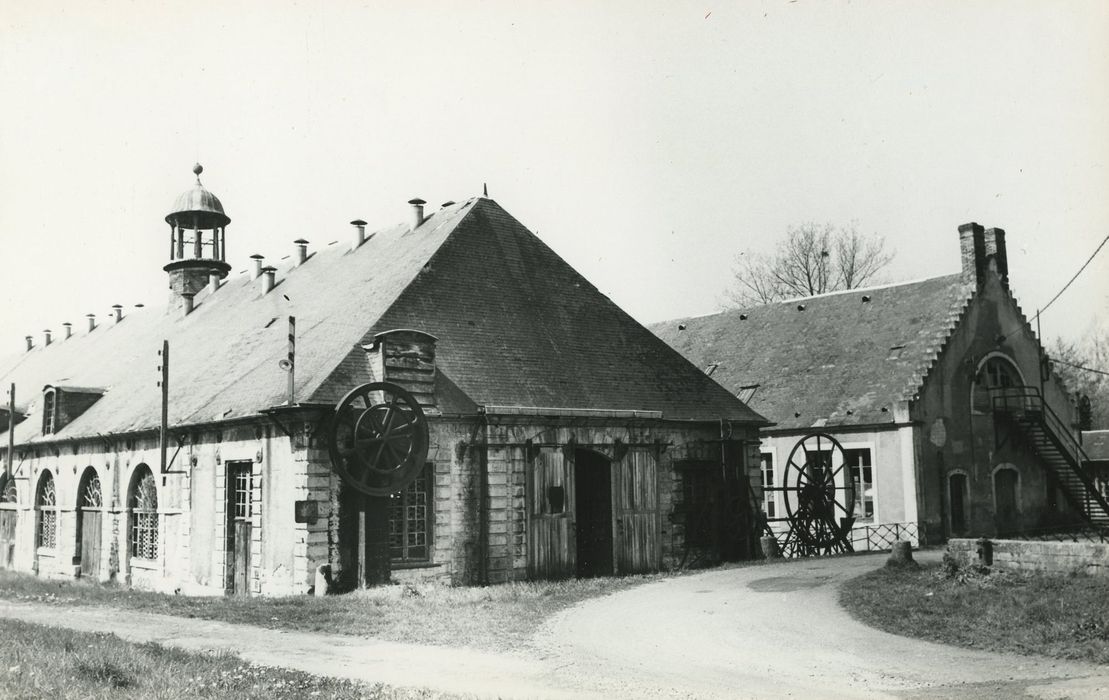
[197,246]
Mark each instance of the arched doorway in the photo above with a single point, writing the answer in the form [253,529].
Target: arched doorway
[90,504]
[593,496]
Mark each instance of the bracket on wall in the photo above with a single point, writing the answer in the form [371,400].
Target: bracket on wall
[619,449]
[460,450]
[280,425]
[531,450]
[569,447]
[661,447]
[180,439]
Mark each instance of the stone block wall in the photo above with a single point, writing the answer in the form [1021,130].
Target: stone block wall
[1043,557]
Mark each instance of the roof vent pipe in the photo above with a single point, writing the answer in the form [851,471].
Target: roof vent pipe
[30,342]
[47,337]
[268,280]
[256,271]
[357,233]
[213,282]
[92,321]
[117,311]
[417,212]
[301,252]
[187,300]
[68,329]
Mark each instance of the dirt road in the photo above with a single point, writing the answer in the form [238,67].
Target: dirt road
[757,632]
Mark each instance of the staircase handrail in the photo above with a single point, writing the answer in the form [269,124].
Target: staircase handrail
[1028,399]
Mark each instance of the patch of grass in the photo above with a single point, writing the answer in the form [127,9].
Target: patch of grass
[502,617]
[1065,617]
[47,662]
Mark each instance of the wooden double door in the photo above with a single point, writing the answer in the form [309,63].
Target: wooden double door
[591,516]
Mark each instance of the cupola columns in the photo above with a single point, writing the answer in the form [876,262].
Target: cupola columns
[197,224]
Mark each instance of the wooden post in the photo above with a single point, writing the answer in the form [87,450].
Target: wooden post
[11,432]
[292,356]
[376,550]
[362,543]
[163,432]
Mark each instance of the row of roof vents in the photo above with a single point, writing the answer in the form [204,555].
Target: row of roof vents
[258,269]
[48,334]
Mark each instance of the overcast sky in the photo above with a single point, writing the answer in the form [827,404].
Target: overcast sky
[648,146]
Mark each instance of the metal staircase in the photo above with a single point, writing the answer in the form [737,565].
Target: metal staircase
[1023,408]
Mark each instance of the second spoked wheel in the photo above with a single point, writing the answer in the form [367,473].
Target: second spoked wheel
[378,439]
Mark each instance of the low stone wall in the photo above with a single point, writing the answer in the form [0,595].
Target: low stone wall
[1046,557]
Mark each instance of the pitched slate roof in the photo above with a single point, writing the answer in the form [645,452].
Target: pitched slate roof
[516,326]
[840,361]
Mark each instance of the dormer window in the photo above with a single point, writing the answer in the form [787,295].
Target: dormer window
[63,404]
[49,411]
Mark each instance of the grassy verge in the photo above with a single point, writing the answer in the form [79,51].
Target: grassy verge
[46,662]
[1065,617]
[497,617]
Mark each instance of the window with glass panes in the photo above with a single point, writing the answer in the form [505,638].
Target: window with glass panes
[410,520]
[769,498]
[862,474]
[47,513]
[144,515]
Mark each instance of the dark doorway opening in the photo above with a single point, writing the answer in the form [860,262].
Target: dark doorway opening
[958,483]
[593,497]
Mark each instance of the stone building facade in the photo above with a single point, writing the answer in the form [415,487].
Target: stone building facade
[564,438]
[950,419]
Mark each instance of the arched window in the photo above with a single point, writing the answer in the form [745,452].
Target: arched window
[8,493]
[997,372]
[143,504]
[46,508]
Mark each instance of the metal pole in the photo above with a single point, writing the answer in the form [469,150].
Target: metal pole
[11,432]
[1040,345]
[163,433]
[292,355]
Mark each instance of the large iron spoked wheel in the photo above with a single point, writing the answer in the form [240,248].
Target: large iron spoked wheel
[819,495]
[378,439]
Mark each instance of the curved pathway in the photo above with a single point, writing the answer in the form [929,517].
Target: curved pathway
[771,631]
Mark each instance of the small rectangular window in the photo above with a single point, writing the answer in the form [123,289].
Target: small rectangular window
[48,406]
[862,474]
[769,497]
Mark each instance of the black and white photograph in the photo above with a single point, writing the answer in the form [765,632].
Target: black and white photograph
[360,349]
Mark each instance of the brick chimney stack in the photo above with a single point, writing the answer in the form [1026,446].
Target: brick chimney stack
[997,258]
[972,246]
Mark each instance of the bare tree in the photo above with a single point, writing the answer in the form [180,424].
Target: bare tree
[1082,366]
[812,259]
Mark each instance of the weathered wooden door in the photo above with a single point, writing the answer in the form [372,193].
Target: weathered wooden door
[7,538]
[637,516]
[90,542]
[89,524]
[550,499]
[239,488]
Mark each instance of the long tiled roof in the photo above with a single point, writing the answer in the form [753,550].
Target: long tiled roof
[839,361]
[516,326]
